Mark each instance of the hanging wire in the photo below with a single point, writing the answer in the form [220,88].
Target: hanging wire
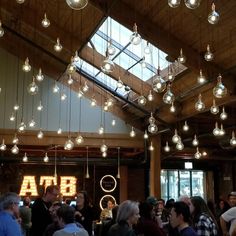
[118,164]
[55,164]
[70,113]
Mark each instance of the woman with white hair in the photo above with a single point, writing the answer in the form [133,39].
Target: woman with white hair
[127,216]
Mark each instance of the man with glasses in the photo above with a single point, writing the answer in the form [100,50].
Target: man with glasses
[9,210]
[41,217]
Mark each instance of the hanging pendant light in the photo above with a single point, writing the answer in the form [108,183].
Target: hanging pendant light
[119,83]
[111,49]
[142,100]
[159,84]
[101,130]
[1,30]
[195,141]
[167,147]
[222,131]
[201,79]
[40,106]
[151,119]
[150,96]
[76,57]
[216,130]
[209,56]
[110,102]
[69,145]
[46,158]
[170,75]
[185,126]
[59,131]
[80,93]
[197,154]
[87,167]
[40,76]
[79,139]
[135,38]
[26,66]
[214,108]
[192,4]
[40,134]
[32,123]
[71,68]
[70,80]
[20,1]
[45,21]
[214,16]
[105,107]
[12,117]
[118,163]
[174,3]
[103,147]
[151,148]
[147,49]
[107,65]
[113,122]
[3,146]
[21,128]
[219,91]
[180,146]
[15,149]
[63,96]
[132,133]
[199,105]
[15,140]
[143,63]
[176,138]
[181,58]
[16,107]
[233,140]
[145,136]
[33,87]
[172,108]
[223,114]
[25,158]
[168,97]
[55,88]
[152,128]
[104,154]
[85,88]
[93,102]
[77,4]
[58,47]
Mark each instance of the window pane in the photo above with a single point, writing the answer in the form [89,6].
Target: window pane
[173,184]
[198,183]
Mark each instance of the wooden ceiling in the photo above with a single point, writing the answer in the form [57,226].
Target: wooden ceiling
[167,28]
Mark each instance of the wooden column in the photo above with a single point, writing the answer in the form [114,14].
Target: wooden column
[123,183]
[155,167]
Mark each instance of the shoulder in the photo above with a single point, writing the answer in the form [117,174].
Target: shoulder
[230,214]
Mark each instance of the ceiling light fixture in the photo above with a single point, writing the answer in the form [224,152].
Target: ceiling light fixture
[32,123]
[101,130]
[58,47]
[16,107]
[181,58]
[219,91]
[201,79]
[12,117]
[176,138]
[145,135]
[233,140]
[87,167]
[168,97]
[20,1]
[45,21]
[192,4]
[25,158]
[195,141]
[159,84]
[79,139]
[69,145]
[214,108]
[142,100]
[214,16]
[222,131]
[40,106]
[151,148]
[59,131]
[3,146]
[93,102]
[77,4]
[132,133]
[26,67]
[21,128]
[46,158]
[167,147]
[40,76]
[209,56]
[172,108]
[180,145]
[1,30]
[216,130]
[15,149]
[223,114]
[199,105]
[55,88]
[70,80]
[197,154]
[15,140]
[174,3]
[107,65]
[185,126]
[135,38]
[111,50]
[150,96]
[40,134]
[152,128]
[33,87]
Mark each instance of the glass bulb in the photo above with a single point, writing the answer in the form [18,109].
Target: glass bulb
[40,106]
[195,141]
[20,1]
[15,140]
[223,114]
[142,100]
[180,145]
[63,97]
[113,122]
[151,148]
[107,65]
[119,84]
[1,30]
[3,146]
[150,96]
[79,139]
[26,66]
[192,4]
[93,102]
[45,22]
[103,148]
[12,117]
[40,76]
[77,4]
[152,128]
[181,58]
[16,107]
[172,108]
[46,158]
[147,49]
[104,154]
[40,134]
[214,109]
[59,131]
[209,56]
[55,88]
[58,47]
[21,128]
[15,149]
[167,147]
[233,140]
[33,87]
[216,130]
[32,123]
[201,79]
[170,76]
[204,153]
[105,107]
[176,137]
[219,91]
[159,83]
[69,144]
[25,158]
[101,130]
[70,80]
[222,131]
[174,3]
[85,88]
[143,63]
[111,49]
[145,136]
[197,155]
[199,105]
[168,97]
[71,68]
[185,126]
[110,102]
[135,38]
[151,119]
[76,57]
[132,133]
[214,16]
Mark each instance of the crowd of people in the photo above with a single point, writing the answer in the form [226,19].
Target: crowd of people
[47,216]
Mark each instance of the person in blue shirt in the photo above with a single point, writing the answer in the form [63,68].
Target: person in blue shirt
[9,209]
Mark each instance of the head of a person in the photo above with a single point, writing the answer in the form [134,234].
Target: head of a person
[232,199]
[146,210]
[185,199]
[53,210]
[82,199]
[160,204]
[198,206]
[10,202]
[179,214]
[169,203]
[26,201]
[66,215]
[110,204]
[152,201]
[128,211]
[51,193]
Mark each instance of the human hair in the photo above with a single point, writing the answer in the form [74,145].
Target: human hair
[110,199]
[8,199]
[67,213]
[50,188]
[26,201]
[86,199]
[181,208]
[145,210]
[125,210]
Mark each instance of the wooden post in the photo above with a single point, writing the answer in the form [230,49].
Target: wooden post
[123,183]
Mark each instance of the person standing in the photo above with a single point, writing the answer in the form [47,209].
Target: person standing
[9,210]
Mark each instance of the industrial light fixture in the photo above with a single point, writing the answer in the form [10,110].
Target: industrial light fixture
[119,83]
[233,140]
[58,47]
[151,148]
[147,49]
[167,147]
[16,107]
[93,102]
[197,154]
[118,163]
[33,87]
[3,146]
[174,3]
[168,96]
[104,154]
[40,76]
[46,158]
[87,168]
[1,29]
[40,134]
[85,87]
[152,127]
[26,67]
[77,4]
[107,65]
[195,141]
[111,49]
[185,126]
[219,91]
[176,138]
[101,130]
[103,147]
[135,38]
[12,117]
[40,106]
[214,108]
[172,108]
[145,136]
[132,133]
[192,4]
[214,16]
[199,105]
[222,131]
[63,96]
[25,158]
[15,149]
[180,145]
[201,79]
[113,122]
[68,144]
[181,58]
[32,123]
[223,114]
[142,100]
[59,131]
[79,139]
[15,140]
[70,80]
[150,96]
[216,130]
[20,1]
[21,128]
[159,84]
[55,88]
[209,56]
[45,21]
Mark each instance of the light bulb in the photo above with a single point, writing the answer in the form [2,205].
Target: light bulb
[195,141]
[204,153]
[150,96]
[147,49]
[40,106]
[16,107]
[70,80]
[179,145]
[79,139]
[172,108]
[219,91]
[135,38]
[58,47]
[222,131]
[104,154]
[3,146]
[33,87]
[77,4]
[214,109]
[143,63]
[105,107]
[59,131]
[199,105]
[71,68]
[132,133]
[21,128]
[233,140]
[68,144]
[46,158]
[174,3]
[45,21]
[159,84]
[26,66]
[181,58]
[142,100]
[168,96]
[111,49]
[85,88]
[223,114]
[197,154]
[107,65]
[63,97]
[12,117]
[152,128]
[151,148]
[176,137]
[192,4]
[113,122]
[1,30]
[76,57]
[40,134]
[103,148]
[170,75]
[80,93]
[214,16]
[185,126]
[20,1]
[101,130]
[201,79]
[25,158]
[93,102]
[40,76]
[55,88]
[15,149]
[119,83]
[151,119]
[15,140]
[216,130]
[209,56]
[167,147]
[32,123]
[145,136]
[110,102]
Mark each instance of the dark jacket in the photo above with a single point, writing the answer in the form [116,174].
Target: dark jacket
[121,229]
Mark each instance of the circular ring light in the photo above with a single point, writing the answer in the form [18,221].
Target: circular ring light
[108,190]
[106,196]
